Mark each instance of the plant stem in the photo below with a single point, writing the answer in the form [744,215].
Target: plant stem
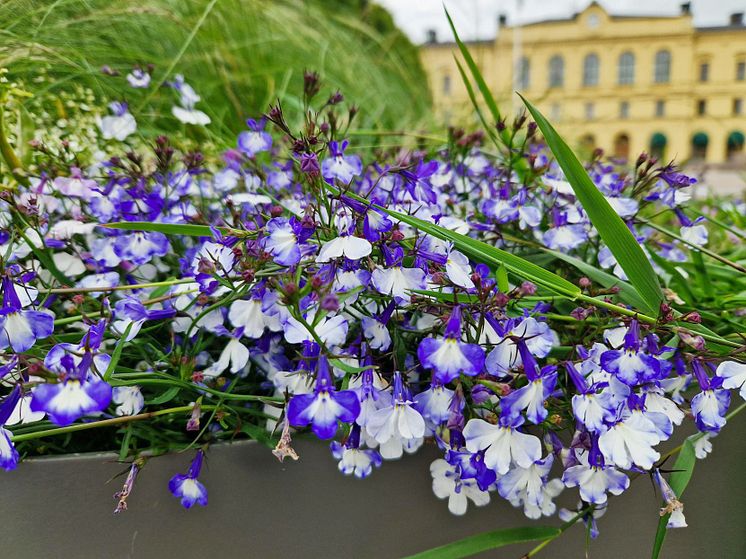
[562,530]
[103,423]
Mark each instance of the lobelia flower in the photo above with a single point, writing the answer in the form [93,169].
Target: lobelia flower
[448,356]
[138,78]
[458,269]
[76,186]
[187,488]
[710,405]
[531,397]
[674,507]
[505,445]
[140,247]
[347,245]
[630,442]
[733,375]
[565,236]
[234,355]
[330,330]
[254,316]
[398,424]
[339,166]
[591,409]
[20,328]
[353,459]
[130,312]
[186,113]
[593,478]
[524,484]
[631,365]
[8,454]
[128,399]
[371,391]
[435,403]
[285,238]
[119,125]
[80,392]
[505,356]
[448,484]
[255,140]
[325,407]
[375,330]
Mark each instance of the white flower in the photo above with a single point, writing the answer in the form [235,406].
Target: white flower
[447,484]
[505,445]
[129,400]
[733,375]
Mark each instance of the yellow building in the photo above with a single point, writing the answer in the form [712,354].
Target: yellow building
[625,83]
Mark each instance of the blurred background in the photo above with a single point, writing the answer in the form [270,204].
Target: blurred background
[660,76]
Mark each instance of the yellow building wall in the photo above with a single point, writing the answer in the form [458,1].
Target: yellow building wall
[595,31]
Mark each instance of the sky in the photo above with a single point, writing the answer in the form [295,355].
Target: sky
[477,19]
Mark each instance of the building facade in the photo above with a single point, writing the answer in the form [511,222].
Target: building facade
[626,84]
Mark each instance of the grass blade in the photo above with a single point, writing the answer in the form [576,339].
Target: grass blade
[607,222]
[680,477]
[488,254]
[486,541]
[166,228]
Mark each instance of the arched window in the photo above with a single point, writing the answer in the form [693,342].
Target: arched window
[621,147]
[626,68]
[590,70]
[524,73]
[587,144]
[734,146]
[699,145]
[556,71]
[662,66]
[658,143]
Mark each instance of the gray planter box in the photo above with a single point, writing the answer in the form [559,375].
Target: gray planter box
[62,508]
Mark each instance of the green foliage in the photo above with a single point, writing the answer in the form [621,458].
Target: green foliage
[240,55]
[607,222]
[486,541]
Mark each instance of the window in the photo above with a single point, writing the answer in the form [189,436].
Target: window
[701,107]
[524,73]
[589,111]
[662,66]
[556,71]
[624,109]
[699,145]
[446,85]
[737,106]
[704,72]
[590,70]
[741,71]
[626,68]
[660,108]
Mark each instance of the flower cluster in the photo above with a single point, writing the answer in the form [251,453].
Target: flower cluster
[289,282]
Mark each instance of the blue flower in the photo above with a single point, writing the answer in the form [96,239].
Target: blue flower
[256,140]
[20,328]
[449,356]
[186,486]
[340,166]
[353,459]
[325,407]
[531,397]
[631,365]
[284,240]
[505,445]
[710,405]
[594,478]
[140,247]
[8,453]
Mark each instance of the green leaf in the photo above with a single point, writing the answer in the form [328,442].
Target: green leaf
[614,232]
[447,297]
[627,293]
[488,254]
[502,279]
[486,541]
[347,368]
[684,467]
[117,353]
[167,396]
[166,228]
[521,165]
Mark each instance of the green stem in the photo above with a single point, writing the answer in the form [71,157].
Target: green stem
[103,423]
[16,167]
[562,530]
[63,290]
